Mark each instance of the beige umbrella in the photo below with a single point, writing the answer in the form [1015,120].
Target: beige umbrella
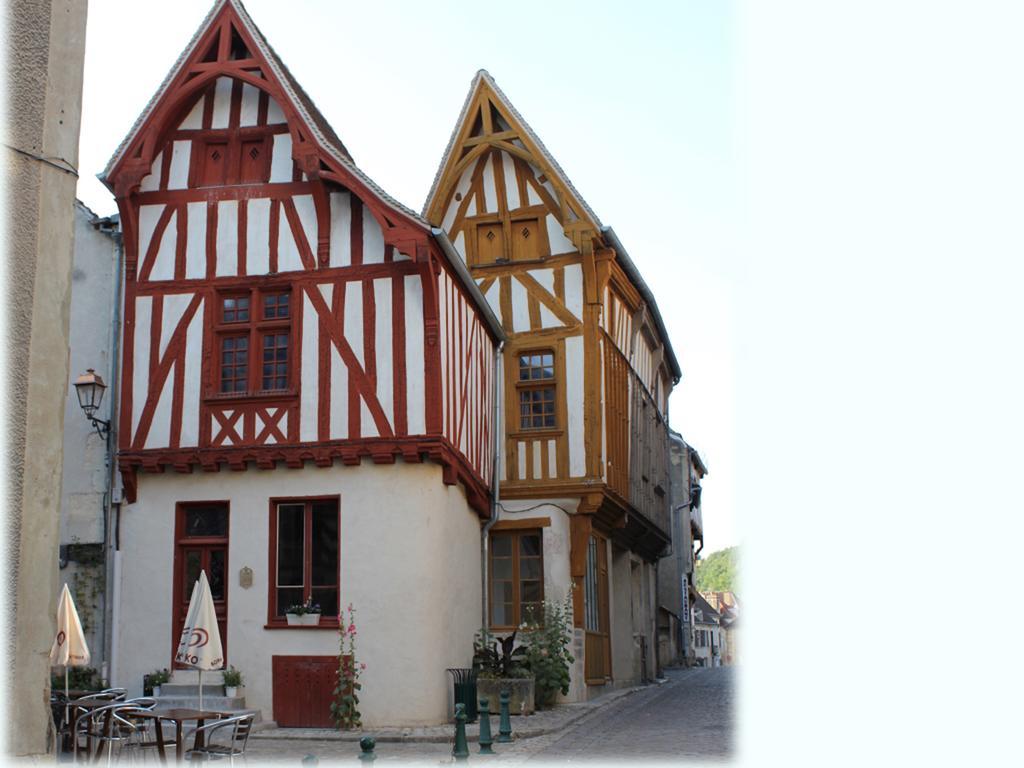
[200,646]
[69,647]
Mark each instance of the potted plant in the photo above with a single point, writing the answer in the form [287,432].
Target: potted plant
[232,681]
[307,613]
[158,678]
[500,665]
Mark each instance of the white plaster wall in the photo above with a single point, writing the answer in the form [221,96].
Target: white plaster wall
[410,564]
[92,297]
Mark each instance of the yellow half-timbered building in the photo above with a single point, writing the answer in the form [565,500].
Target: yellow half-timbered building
[587,372]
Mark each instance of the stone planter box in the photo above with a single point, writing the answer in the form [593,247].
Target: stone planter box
[520,689]
[303,620]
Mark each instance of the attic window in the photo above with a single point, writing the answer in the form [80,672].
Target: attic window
[238,48]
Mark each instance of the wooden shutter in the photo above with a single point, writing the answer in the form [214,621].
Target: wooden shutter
[490,243]
[525,240]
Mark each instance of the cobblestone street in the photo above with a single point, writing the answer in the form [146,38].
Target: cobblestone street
[689,717]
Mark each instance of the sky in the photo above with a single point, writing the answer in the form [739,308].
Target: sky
[635,104]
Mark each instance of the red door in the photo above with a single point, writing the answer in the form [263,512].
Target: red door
[201,535]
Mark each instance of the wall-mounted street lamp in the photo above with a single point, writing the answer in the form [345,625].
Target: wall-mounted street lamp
[90,388]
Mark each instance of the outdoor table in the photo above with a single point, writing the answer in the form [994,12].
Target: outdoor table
[179,716]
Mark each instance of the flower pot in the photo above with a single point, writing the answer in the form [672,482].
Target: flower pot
[519,688]
[293,618]
[156,690]
[231,691]
[310,619]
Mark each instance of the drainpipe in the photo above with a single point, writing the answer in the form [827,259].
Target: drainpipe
[112,512]
[485,538]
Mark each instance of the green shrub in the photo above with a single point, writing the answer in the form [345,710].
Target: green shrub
[547,651]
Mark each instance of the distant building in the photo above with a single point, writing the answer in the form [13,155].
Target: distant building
[707,636]
[728,609]
[676,571]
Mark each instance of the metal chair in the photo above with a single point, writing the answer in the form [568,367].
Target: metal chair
[148,734]
[100,725]
[237,729]
[142,702]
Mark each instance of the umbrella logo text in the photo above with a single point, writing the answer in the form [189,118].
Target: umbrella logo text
[200,637]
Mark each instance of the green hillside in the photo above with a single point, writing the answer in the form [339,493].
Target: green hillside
[718,571]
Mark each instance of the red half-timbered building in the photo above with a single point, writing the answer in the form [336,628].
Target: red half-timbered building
[307,396]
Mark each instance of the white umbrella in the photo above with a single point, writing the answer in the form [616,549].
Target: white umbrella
[200,646]
[69,647]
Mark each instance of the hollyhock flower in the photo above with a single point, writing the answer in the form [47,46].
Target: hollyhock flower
[362,665]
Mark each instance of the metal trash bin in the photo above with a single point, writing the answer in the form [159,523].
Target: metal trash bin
[464,691]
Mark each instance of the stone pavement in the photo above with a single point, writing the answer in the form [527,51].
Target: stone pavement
[690,716]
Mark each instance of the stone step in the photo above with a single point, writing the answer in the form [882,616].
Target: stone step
[191,677]
[211,700]
[183,689]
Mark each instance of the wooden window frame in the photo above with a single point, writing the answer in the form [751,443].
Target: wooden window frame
[536,384]
[256,327]
[515,534]
[275,621]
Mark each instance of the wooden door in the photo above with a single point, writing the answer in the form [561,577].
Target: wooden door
[303,688]
[201,536]
[597,638]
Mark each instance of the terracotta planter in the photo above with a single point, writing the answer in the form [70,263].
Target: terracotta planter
[520,690]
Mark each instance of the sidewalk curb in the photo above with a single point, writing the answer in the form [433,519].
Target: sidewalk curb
[585,710]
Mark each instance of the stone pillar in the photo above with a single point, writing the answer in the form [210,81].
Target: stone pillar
[46,50]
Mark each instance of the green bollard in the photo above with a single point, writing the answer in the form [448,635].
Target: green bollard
[367,743]
[461,749]
[504,724]
[484,714]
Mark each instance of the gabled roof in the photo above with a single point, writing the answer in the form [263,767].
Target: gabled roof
[317,124]
[484,77]
[709,614]
[483,80]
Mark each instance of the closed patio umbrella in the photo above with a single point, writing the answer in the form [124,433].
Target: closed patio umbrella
[200,646]
[69,647]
